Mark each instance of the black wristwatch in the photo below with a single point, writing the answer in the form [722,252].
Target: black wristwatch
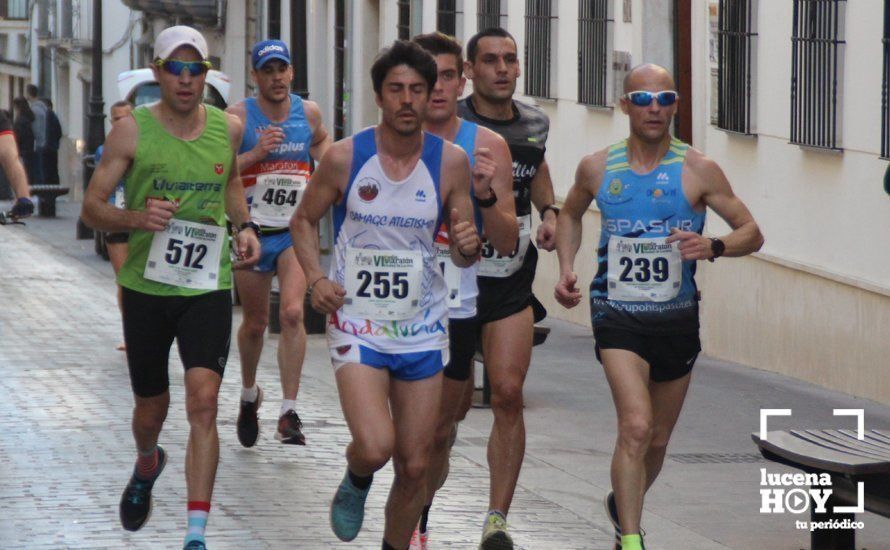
[489,202]
[549,207]
[718,247]
[251,225]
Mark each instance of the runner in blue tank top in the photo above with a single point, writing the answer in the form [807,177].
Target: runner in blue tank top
[390,187]
[652,191]
[282,135]
[492,178]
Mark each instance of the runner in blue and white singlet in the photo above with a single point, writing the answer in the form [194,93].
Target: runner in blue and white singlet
[390,187]
[283,134]
[652,191]
[385,258]
[641,283]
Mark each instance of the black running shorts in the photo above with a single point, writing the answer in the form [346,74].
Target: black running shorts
[463,337]
[500,298]
[201,325]
[669,356]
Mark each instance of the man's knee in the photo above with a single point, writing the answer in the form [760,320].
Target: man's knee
[150,417]
[201,406]
[635,432]
[254,326]
[412,469]
[373,453]
[506,395]
[291,316]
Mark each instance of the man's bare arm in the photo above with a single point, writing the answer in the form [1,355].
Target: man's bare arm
[465,243]
[321,139]
[325,189]
[236,204]
[568,229]
[704,176]
[12,166]
[117,155]
[542,195]
[499,222]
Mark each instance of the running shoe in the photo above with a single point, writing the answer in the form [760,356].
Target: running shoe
[494,534]
[290,429]
[195,545]
[419,541]
[348,510]
[135,506]
[612,514]
[249,421]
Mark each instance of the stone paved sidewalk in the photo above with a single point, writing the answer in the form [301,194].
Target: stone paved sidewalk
[67,452]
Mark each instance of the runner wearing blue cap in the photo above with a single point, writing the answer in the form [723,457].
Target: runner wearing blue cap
[282,135]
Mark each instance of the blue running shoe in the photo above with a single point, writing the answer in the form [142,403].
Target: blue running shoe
[348,510]
[135,506]
[195,545]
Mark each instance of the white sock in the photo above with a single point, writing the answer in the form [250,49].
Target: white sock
[288,404]
[250,394]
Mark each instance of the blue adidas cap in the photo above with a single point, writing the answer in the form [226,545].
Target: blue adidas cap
[267,50]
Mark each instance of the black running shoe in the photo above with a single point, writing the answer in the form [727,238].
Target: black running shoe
[612,513]
[135,506]
[249,421]
[290,429]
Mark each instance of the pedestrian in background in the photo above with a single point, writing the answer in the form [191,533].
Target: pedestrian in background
[39,127]
[53,139]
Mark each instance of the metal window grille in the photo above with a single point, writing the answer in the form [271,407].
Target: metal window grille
[817,53]
[885,89]
[274,19]
[339,69]
[489,14]
[14,9]
[736,55]
[448,17]
[404,23]
[538,25]
[594,51]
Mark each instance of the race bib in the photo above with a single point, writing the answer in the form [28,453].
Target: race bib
[643,270]
[119,201]
[495,265]
[276,196]
[186,254]
[451,273]
[382,285]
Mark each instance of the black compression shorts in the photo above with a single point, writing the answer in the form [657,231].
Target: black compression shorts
[464,336]
[201,325]
[669,356]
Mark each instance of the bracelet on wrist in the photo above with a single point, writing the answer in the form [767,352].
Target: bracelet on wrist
[311,287]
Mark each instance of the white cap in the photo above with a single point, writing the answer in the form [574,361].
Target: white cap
[173,37]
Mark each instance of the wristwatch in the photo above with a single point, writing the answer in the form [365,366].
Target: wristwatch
[549,207]
[489,202]
[718,247]
[251,225]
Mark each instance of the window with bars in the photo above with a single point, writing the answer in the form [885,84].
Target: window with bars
[539,19]
[490,13]
[817,55]
[404,22]
[449,17]
[885,89]
[594,51]
[736,57]
[339,69]
[14,9]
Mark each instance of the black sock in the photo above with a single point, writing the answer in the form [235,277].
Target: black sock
[424,517]
[387,546]
[360,482]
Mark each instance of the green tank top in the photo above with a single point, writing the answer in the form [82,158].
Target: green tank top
[194,173]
